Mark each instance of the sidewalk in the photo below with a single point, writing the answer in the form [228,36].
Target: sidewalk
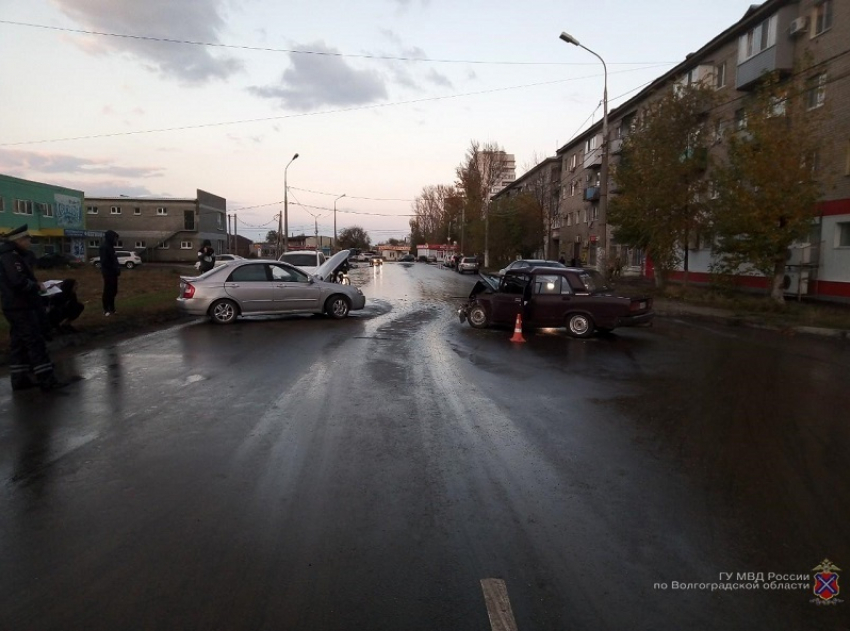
[671,308]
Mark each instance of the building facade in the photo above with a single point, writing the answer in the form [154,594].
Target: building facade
[54,215]
[807,39]
[160,229]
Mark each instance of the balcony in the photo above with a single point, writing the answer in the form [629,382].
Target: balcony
[616,145]
[591,193]
[593,158]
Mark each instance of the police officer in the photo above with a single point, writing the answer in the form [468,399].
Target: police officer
[21,302]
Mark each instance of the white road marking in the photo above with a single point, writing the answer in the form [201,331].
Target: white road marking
[498,604]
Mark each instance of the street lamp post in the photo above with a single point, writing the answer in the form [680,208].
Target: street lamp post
[335,201]
[286,206]
[603,176]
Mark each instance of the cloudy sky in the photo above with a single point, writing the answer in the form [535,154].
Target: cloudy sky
[379,98]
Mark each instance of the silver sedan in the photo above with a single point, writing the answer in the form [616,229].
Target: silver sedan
[266,287]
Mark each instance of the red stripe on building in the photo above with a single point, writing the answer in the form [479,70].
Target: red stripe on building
[831,288]
[834,207]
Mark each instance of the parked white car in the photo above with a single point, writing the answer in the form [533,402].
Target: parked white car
[125,259]
[221,259]
[307,260]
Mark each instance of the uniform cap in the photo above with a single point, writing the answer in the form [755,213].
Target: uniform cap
[20,232]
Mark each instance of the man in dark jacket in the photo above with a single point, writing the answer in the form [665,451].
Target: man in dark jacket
[111,270]
[206,257]
[22,306]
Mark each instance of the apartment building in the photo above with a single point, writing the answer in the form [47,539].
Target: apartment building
[53,214]
[543,181]
[811,37]
[160,229]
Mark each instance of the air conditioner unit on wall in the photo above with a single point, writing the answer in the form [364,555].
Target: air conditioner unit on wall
[799,254]
[798,26]
[796,282]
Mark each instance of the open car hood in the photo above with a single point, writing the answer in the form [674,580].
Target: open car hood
[325,270]
[487,282]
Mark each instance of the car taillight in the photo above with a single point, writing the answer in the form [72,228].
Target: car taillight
[638,305]
[188,290]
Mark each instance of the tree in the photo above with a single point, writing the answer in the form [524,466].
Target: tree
[271,236]
[766,187]
[661,177]
[354,237]
[479,175]
[433,214]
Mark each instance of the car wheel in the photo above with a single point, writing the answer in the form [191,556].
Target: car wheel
[579,325]
[130,264]
[478,317]
[337,307]
[223,312]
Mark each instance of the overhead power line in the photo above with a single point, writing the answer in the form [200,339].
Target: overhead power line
[324,53]
[305,114]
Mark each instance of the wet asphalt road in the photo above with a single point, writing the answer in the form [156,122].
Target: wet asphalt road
[299,473]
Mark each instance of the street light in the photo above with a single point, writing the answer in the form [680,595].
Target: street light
[286,207]
[603,176]
[316,217]
[335,201]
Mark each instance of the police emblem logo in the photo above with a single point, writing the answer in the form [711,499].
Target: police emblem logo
[825,586]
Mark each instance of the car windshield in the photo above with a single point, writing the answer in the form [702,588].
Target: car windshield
[546,264]
[301,260]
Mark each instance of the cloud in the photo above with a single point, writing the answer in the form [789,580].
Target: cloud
[313,81]
[24,163]
[438,79]
[195,20]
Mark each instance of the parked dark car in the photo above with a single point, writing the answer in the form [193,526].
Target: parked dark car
[407,258]
[56,260]
[574,298]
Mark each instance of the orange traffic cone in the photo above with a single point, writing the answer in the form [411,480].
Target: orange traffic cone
[518,330]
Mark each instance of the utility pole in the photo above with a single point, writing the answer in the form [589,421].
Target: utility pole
[286,206]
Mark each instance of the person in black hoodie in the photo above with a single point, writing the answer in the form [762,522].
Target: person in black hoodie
[111,270]
[20,296]
[206,257]
[64,308]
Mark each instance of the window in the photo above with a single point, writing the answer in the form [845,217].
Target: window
[547,284]
[186,245]
[573,161]
[590,144]
[163,245]
[2,204]
[162,211]
[719,76]
[816,92]
[594,213]
[757,39]
[740,119]
[569,219]
[115,210]
[91,210]
[572,188]
[720,126]
[777,106]
[188,220]
[23,207]
[140,245]
[823,17]
[846,161]
[249,274]
[220,220]
[45,210]
[94,243]
[842,233]
[137,211]
[286,275]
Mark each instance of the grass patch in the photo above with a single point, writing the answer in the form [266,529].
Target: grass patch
[146,295]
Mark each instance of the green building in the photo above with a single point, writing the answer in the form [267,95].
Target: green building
[54,215]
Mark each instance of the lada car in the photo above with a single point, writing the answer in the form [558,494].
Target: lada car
[574,298]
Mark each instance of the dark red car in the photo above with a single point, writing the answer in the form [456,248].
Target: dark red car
[574,298]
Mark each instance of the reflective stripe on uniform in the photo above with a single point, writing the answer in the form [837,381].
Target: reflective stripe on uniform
[42,368]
